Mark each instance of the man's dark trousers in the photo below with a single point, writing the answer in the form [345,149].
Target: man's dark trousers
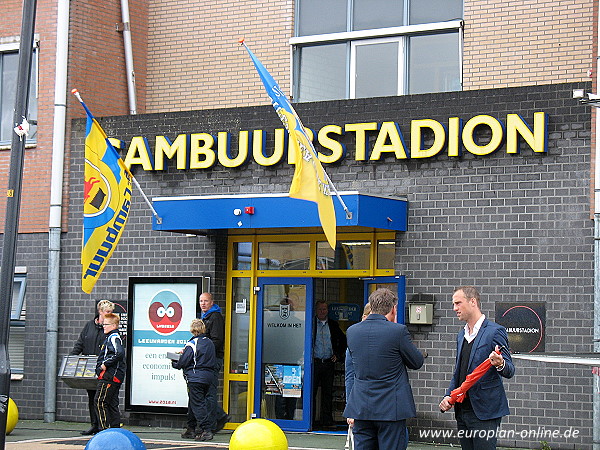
[323,376]
[476,434]
[380,435]
[107,404]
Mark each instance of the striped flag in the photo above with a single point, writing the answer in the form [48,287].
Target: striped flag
[310,181]
[106,201]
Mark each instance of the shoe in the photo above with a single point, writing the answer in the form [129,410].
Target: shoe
[221,422]
[206,436]
[198,435]
[189,433]
[90,432]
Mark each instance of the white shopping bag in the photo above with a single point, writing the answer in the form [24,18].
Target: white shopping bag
[349,440]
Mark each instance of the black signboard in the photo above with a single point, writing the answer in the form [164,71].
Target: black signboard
[525,323]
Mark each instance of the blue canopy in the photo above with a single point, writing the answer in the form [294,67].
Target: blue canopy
[203,214]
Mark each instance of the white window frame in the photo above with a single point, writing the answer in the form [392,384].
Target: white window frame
[401,40]
[18,320]
[400,33]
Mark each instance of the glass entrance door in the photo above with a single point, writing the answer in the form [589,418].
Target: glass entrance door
[282,384]
[396,283]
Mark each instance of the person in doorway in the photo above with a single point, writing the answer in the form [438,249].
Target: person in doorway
[349,369]
[110,370]
[198,362]
[381,399]
[210,313]
[329,346]
[89,342]
[485,403]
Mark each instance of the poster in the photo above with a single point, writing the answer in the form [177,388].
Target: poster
[525,324]
[160,323]
[284,380]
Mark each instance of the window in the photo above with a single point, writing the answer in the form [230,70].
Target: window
[372,48]
[16,341]
[347,255]
[9,63]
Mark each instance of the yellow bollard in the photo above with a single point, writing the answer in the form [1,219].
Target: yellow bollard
[13,416]
[258,434]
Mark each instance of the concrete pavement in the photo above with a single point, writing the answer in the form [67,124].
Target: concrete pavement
[37,435]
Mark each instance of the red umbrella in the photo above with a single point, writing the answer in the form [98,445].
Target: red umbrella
[459,394]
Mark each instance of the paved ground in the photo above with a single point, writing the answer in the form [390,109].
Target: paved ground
[37,435]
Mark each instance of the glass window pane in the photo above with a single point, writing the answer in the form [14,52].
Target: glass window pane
[242,255]
[369,14]
[322,73]
[347,255]
[434,63]
[17,311]
[9,63]
[8,83]
[321,16]
[426,11]
[386,251]
[238,398]
[284,255]
[240,325]
[282,369]
[376,70]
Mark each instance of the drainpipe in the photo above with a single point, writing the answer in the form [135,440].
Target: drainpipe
[596,393]
[128,56]
[54,222]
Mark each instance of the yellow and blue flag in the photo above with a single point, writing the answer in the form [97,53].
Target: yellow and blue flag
[106,201]
[310,181]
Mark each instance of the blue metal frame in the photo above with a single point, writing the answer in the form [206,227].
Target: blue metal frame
[400,280]
[291,425]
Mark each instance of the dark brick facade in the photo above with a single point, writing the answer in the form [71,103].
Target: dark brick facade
[517,226]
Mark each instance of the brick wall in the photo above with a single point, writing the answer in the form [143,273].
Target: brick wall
[196,62]
[35,198]
[28,394]
[522,43]
[516,225]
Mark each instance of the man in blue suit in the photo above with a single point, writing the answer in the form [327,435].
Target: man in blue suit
[478,416]
[381,398]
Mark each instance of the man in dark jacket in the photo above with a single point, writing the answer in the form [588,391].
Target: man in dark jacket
[110,370]
[215,329]
[89,342]
[478,417]
[329,346]
[198,363]
[381,398]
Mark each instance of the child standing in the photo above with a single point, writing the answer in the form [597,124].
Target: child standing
[198,363]
[110,369]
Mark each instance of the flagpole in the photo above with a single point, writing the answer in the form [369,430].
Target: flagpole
[158,218]
[339,197]
[75,92]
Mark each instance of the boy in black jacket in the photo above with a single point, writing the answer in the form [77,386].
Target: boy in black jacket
[110,369]
[89,342]
[198,363]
